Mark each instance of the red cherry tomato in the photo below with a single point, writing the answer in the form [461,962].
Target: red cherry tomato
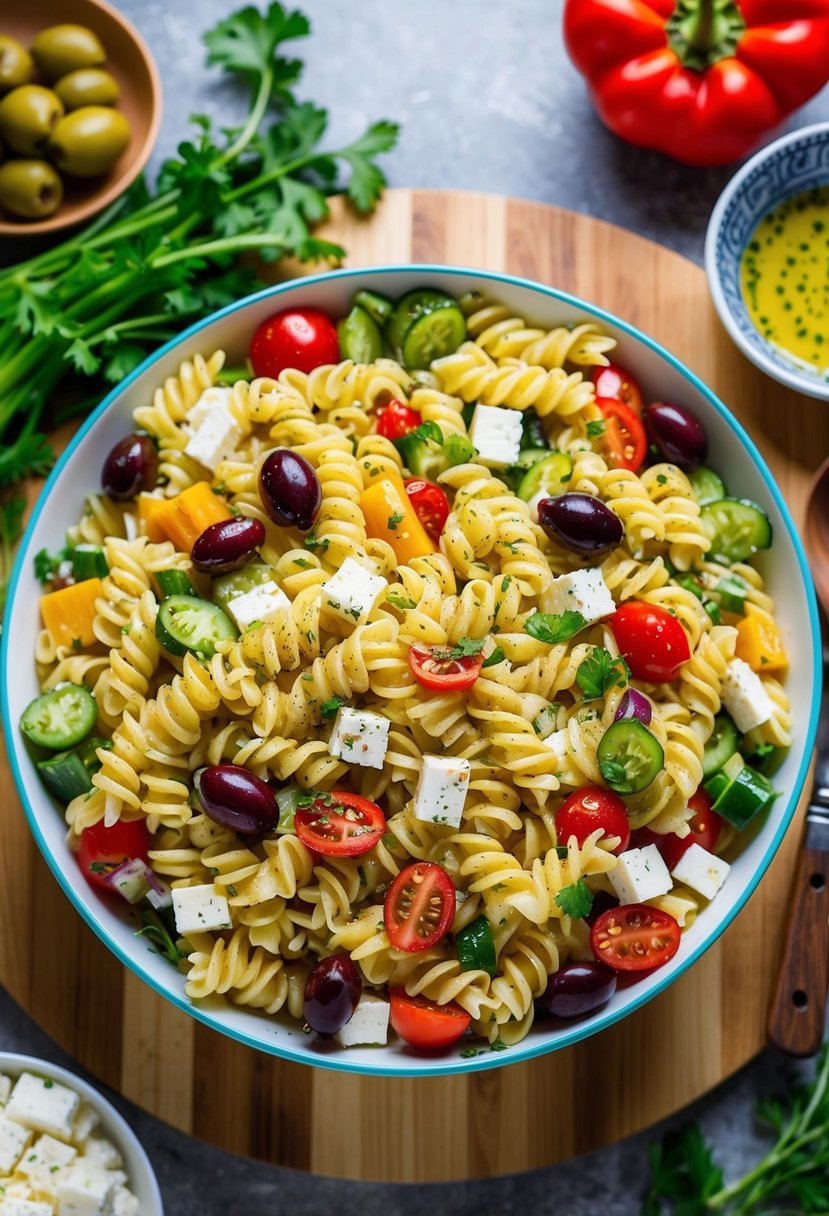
[303,338]
[103,849]
[634,937]
[430,503]
[652,641]
[425,1024]
[340,824]
[439,669]
[592,807]
[617,382]
[705,826]
[396,420]
[625,442]
[419,907]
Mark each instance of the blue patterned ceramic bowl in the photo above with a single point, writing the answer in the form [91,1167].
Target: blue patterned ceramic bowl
[789,166]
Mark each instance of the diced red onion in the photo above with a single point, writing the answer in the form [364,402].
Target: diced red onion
[634,704]
[131,880]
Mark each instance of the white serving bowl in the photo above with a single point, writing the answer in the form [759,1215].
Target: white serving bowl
[734,456]
[791,165]
[140,1177]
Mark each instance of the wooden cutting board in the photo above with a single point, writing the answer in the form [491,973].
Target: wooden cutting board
[516,1118]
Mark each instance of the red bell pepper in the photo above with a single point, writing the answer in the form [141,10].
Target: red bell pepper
[700,80]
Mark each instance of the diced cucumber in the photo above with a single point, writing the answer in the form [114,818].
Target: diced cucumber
[378,307]
[767,758]
[549,476]
[60,718]
[69,774]
[433,335]
[411,306]
[706,485]
[721,745]
[228,587]
[532,433]
[186,623]
[732,593]
[739,791]
[359,337]
[736,527]
[89,561]
[174,582]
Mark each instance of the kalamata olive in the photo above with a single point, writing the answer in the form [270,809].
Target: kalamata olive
[603,901]
[578,988]
[289,490]
[130,468]
[332,991]
[581,523]
[677,433]
[236,799]
[634,704]
[227,545]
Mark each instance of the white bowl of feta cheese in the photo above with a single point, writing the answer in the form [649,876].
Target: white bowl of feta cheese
[64,1150]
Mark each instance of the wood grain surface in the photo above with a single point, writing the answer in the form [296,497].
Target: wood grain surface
[527,1115]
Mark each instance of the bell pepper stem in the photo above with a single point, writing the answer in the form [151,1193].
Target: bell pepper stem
[701,32]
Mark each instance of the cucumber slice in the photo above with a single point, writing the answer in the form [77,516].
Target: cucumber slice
[88,561]
[69,774]
[476,947]
[359,337]
[736,527]
[745,794]
[629,756]
[413,305]
[721,746]
[732,593]
[61,718]
[706,485]
[532,432]
[186,623]
[378,307]
[767,758]
[228,587]
[174,582]
[548,476]
[433,335]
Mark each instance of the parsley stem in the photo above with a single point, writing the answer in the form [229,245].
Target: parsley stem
[254,121]
[231,244]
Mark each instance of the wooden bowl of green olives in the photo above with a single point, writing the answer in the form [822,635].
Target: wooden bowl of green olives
[80,108]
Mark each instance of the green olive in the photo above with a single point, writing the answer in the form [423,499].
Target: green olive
[63,48]
[27,117]
[88,87]
[30,189]
[16,65]
[88,142]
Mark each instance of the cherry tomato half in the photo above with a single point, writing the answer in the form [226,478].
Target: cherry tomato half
[625,442]
[617,382]
[705,826]
[419,907]
[103,849]
[396,420]
[340,824]
[589,808]
[425,1024]
[303,338]
[652,641]
[441,670]
[634,937]
[430,503]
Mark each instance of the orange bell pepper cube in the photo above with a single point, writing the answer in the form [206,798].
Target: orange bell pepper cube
[759,643]
[149,509]
[68,614]
[183,519]
[390,516]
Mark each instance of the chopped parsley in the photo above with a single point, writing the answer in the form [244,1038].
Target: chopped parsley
[575,900]
[497,656]
[312,541]
[596,428]
[399,601]
[394,520]
[330,708]
[47,564]
[600,672]
[553,628]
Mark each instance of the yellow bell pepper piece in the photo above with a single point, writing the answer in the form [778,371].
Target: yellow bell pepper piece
[148,511]
[759,643]
[68,614]
[183,519]
[390,516]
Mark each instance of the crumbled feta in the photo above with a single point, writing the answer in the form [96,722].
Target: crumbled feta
[85,1122]
[200,909]
[84,1190]
[496,434]
[351,592]
[215,433]
[557,743]
[441,790]
[43,1105]
[12,1206]
[640,874]
[368,1024]
[701,871]
[360,737]
[5,1088]
[264,603]
[13,1140]
[102,1152]
[123,1203]
[46,1156]
[744,696]
[583,591]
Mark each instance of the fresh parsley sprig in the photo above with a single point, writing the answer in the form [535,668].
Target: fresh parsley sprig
[600,671]
[11,525]
[554,628]
[575,900]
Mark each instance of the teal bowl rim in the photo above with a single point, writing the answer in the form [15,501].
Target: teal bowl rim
[581,1030]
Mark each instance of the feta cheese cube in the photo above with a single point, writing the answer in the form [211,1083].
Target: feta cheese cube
[200,909]
[43,1105]
[86,1120]
[264,603]
[13,1140]
[351,592]
[123,1202]
[11,1206]
[583,591]
[368,1024]
[441,790]
[701,871]
[557,743]
[640,874]
[103,1153]
[360,737]
[496,433]
[215,433]
[46,1156]
[85,1190]
[5,1088]
[744,696]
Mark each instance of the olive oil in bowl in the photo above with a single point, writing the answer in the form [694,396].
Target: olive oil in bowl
[785,279]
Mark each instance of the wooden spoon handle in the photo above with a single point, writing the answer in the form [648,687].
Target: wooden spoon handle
[798,1006]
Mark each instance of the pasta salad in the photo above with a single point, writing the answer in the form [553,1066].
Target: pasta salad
[416,677]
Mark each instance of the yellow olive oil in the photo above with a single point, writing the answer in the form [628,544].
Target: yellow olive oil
[785,278]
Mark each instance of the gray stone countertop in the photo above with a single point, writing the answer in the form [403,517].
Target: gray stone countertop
[488,101]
